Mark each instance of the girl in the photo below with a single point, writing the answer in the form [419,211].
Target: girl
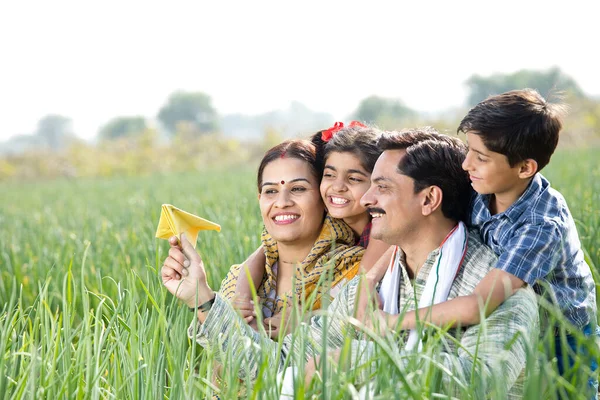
[349,155]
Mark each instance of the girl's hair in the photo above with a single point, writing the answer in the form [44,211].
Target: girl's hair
[357,140]
[295,148]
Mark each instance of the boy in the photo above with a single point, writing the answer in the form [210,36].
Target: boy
[511,137]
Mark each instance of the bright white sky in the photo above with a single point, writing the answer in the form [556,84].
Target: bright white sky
[94,62]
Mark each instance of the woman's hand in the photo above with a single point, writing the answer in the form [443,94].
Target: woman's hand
[183,273]
[245,307]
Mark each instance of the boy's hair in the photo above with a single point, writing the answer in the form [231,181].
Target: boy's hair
[433,159]
[519,124]
[357,140]
[300,149]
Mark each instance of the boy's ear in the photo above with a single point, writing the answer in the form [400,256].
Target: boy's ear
[528,168]
[432,200]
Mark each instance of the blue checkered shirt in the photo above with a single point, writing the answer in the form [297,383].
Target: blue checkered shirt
[536,240]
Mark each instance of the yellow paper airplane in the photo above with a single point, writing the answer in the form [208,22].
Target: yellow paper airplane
[174,222]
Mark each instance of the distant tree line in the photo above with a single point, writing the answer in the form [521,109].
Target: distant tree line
[547,83]
[190,117]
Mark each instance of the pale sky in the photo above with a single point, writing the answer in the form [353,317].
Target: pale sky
[94,61]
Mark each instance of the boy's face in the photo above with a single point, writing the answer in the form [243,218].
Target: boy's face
[489,171]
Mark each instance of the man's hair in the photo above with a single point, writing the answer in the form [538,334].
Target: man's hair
[357,140]
[433,159]
[300,149]
[520,124]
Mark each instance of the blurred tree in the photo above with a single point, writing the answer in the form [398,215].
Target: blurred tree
[271,137]
[19,144]
[380,110]
[297,120]
[189,107]
[545,82]
[582,123]
[121,127]
[54,131]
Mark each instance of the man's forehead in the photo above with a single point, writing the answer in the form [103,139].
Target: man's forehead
[388,161]
[386,167]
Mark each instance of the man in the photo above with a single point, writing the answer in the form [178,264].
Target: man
[418,195]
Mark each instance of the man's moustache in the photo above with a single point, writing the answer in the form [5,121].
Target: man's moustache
[375,210]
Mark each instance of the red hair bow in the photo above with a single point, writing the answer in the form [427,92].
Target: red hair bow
[356,123]
[328,133]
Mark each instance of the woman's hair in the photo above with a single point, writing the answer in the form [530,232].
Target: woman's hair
[294,148]
[360,141]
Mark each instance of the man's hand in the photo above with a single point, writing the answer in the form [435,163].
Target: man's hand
[278,323]
[183,273]
[367,299]
[381,322]
[314,365]
[310,369]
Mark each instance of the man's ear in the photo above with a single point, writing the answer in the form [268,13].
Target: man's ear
[259,197]
[528,168]
[432,200]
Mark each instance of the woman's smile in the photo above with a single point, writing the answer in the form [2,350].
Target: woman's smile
[285,218]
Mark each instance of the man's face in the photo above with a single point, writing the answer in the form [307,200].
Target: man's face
[391,200]
[490,172]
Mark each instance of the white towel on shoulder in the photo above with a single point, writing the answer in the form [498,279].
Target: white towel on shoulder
[439,282]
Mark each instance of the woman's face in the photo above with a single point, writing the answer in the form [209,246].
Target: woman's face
[290,202]
[344,182]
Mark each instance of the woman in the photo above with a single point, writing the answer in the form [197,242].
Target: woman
[303,247]
[349,155]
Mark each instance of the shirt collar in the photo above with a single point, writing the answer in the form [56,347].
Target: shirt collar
[518,207]
[423,271]
[524,201]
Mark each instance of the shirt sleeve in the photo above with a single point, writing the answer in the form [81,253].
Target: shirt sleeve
[497,347]
[491,356]
[532,253]
[233,342]
[328,329]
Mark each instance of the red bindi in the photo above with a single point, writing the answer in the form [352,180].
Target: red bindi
[282,182]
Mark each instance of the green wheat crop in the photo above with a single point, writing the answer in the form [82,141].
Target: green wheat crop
[83,314]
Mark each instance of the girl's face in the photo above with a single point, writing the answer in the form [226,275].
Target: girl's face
[290,203]
[344,182]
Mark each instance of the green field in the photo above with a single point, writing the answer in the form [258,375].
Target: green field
[83,313]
